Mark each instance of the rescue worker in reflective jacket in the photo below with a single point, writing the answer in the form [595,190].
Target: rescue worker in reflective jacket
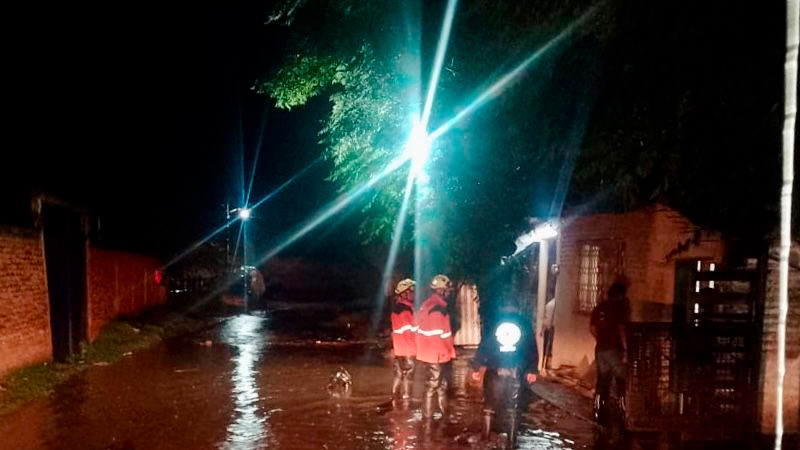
[435,345]
[404,343]
[511,359]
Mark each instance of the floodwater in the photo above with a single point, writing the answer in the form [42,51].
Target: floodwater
[250,389]
[247,385]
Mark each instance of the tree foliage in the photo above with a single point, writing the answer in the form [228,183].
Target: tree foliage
[487,173]
[622,112]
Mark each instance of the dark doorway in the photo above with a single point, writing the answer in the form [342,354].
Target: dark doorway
[65,258]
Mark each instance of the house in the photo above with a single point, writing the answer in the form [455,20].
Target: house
[702,308]
[645,248]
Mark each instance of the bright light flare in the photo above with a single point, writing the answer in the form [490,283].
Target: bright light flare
[244,213]
[438,60]
[230,222]
[334,207]
[418,149]
[498,86]
[541,232]
[196,245]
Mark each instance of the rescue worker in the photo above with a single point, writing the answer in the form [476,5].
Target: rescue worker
[435,345]
[511,359]
[404,343]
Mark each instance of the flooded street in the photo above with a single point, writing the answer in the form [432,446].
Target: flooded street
[239,386]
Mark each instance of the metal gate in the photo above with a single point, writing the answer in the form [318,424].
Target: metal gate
[469,330]
[698,375]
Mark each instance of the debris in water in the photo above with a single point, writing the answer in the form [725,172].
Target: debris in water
[127,354]
[194,369]
[340,384]
[100,363]
[207,343]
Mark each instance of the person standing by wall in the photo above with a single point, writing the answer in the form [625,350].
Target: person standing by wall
[548,333]
[404,345]
[609,327]
[435,347]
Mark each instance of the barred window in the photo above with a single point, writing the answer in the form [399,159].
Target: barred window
[589,287]
[600,265]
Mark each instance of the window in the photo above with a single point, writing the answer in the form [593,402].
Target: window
[599,265]
[589,277]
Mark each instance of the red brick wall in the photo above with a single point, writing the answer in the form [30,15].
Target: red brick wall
[119,284]
[24,307]
[647,237]
[769,360]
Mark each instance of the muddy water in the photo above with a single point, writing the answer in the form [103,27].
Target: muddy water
[249,390]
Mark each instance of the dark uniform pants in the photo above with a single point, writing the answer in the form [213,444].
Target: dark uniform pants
[501,391]
[609,367]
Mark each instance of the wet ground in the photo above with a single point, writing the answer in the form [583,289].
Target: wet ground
[250,389]
[248,384]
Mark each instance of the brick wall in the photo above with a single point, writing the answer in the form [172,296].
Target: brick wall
[24,320]
[119,284]
[769,364]
[650,240]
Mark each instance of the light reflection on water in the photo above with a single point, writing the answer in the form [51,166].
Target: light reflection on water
[248,429]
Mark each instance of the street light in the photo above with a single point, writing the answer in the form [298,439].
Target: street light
[243,213]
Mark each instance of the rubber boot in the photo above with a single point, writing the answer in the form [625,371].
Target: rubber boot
[428,406]
[598,406]
[405,393]
[512,429]
[396,388]
[443,403]
[488,419]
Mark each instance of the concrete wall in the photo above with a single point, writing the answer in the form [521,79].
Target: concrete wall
[651,240]
[24,305]
[769,360]
[119,283]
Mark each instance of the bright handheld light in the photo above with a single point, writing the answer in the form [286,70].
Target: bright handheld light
[508,334]
[244,213]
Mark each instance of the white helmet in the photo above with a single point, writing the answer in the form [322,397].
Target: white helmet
[440,282]
[404,285]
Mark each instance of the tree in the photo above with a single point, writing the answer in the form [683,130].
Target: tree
[488,173]
[644,102]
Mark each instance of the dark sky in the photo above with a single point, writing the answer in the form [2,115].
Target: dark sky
[133,109]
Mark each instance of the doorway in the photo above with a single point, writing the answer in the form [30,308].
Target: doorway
[65,259]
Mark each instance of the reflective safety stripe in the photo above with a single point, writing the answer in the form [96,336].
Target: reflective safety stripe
[446,335]
[405,328]
[430,332]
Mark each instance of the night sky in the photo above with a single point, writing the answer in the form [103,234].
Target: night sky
[133,110]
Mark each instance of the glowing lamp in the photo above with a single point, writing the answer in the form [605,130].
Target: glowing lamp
[541,232]
[508,335]
[418,148]
[244,213]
